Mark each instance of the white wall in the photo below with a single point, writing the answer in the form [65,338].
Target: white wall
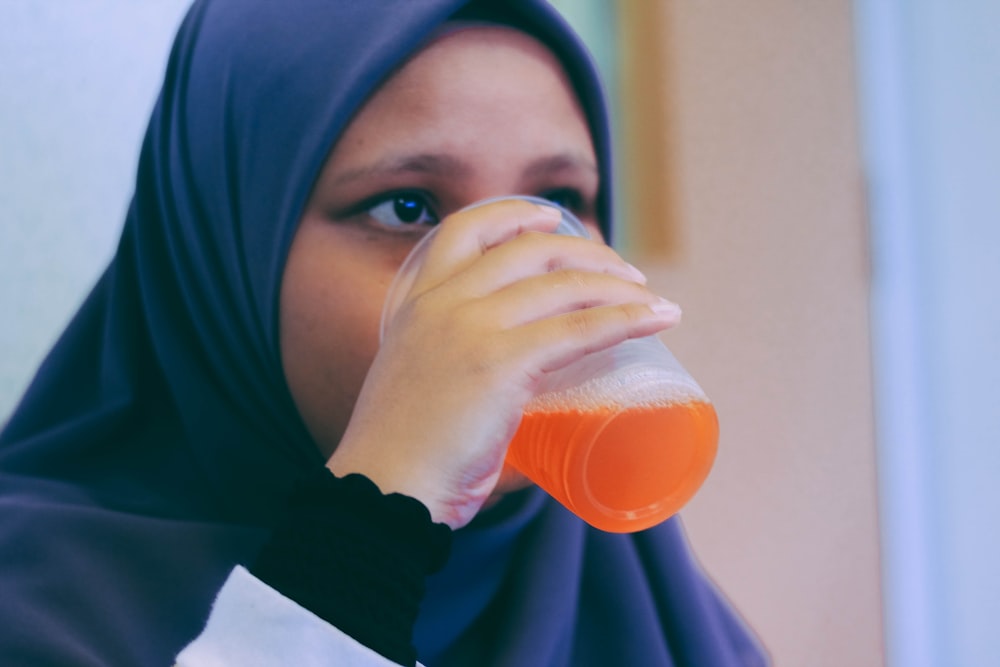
[930,74]
[78,80]
[773,275]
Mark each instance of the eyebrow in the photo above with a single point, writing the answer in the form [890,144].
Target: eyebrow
[422,163]
[560,162]
[447,166]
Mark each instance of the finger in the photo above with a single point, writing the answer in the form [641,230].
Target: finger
[465,236]
[553,343]
[532,254]
[561,292]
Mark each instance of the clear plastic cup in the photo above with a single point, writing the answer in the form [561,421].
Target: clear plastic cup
[623,437]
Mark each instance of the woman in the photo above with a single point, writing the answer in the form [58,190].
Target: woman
[188,420]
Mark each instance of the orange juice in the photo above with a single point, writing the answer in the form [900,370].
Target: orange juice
[619,469]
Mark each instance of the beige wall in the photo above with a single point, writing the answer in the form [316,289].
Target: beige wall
[772,274]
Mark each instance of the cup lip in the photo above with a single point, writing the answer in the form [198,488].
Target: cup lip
[570,225]
[570,220]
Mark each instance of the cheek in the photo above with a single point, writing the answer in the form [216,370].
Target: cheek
[330,310]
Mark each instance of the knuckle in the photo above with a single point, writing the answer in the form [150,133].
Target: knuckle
[488,362]
[572,279]
[554,264]
[531,237]
[633,314]
[577,325]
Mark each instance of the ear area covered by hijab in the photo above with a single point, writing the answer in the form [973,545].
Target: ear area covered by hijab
[158,439]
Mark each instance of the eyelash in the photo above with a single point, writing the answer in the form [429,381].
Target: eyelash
[569,198]
[425,199]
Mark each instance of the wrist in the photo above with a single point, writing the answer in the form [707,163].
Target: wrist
[448,501]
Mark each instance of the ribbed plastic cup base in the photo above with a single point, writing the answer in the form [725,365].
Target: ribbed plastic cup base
[620,470]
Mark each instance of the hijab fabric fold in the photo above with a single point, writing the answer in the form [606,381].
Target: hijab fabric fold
[158,440]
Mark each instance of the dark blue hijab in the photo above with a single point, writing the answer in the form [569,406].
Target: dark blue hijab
[158,440]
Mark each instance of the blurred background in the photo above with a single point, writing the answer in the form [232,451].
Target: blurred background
[814,181]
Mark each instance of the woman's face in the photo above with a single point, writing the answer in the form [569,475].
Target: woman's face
[481,112]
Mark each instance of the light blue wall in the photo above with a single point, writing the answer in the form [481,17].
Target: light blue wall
[596,22]
[930,82]
[78,79]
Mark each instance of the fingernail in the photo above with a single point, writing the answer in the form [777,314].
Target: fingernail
[550,211]
[666,308]
[639,275]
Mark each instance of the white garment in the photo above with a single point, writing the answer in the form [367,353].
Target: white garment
[253,625]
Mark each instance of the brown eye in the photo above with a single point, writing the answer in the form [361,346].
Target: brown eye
[403,209]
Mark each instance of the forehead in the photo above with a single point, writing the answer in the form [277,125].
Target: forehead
[469,78]
[458,47]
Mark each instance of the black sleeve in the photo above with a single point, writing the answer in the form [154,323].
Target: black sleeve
[356,558]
